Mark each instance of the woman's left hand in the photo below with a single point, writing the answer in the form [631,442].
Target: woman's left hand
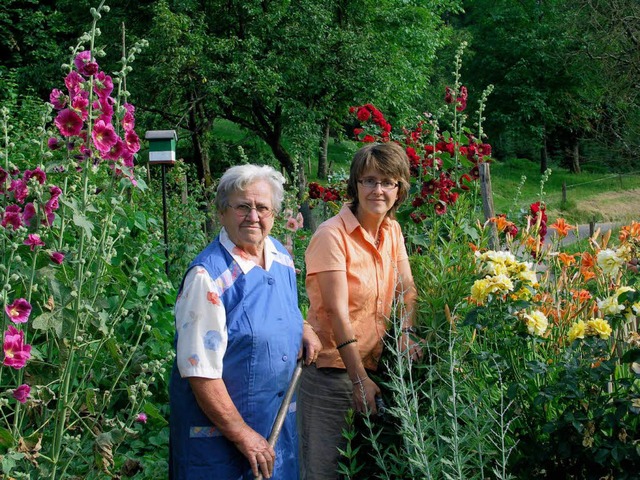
[311,345]
[411,345]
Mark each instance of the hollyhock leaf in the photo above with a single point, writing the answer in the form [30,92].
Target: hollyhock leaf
[48,321]
[81,221]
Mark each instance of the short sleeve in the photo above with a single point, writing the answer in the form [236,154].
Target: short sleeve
[326,251]
[201,324]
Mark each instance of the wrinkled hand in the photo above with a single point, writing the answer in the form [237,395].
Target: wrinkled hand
[311,345]
[364,396]
[257,450]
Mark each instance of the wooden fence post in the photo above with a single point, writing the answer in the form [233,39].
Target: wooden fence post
[487,203]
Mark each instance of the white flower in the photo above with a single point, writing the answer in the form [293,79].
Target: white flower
[537,323]
[609,261]
[610,305]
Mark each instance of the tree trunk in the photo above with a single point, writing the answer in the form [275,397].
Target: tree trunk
[544,155]
[322,154]
[575,156]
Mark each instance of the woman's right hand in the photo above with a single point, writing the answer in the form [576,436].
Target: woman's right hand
[257,450]
[364,396]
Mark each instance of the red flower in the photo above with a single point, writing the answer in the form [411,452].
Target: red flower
[68,122]
[12,216]
[363,114]
[440,208]
[368,139]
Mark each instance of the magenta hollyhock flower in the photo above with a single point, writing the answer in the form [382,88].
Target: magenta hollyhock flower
[132,141]
[104,136]
[105,106]
[28,213]
[73,81]
[53,143]
[103,85]
[19,310]
[68,122]
[34,240]
[116,150]
[22,393]
[3,179]
[16,352]
[128,121]
[80,104]
[12,216]
[19,189]
[129,108]
[55,192]
[36,173]
[57,257]
[127,158]
[85,64]
[141,417]
[49,216]
[57,99]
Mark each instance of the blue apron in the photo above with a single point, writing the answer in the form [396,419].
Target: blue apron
[264,327]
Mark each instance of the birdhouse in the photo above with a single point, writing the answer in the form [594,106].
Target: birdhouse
[162,146]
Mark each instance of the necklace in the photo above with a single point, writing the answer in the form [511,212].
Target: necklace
[377,240]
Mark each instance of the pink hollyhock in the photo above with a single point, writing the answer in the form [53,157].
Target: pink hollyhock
[36,173]
[128,121]
[19,189]
[448,95]
[104,136]
[141,417]
[3,179]
[57,257]
[132,141]
[85,64]
[103,85]
[73,81]
[28,213]
[116,151]
[127,158]
[49,216]
[68,122]
[34,240]
[57,99]
[53,143]
[22,393]
[19,310]
[12,216]
[129,108]
[80,104]
[16,352]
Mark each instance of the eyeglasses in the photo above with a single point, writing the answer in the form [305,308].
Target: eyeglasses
[244,210]
[373,183]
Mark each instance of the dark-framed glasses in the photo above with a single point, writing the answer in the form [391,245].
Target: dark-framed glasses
[244,209]
[373,183]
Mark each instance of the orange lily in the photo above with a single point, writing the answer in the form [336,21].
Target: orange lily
[562,227]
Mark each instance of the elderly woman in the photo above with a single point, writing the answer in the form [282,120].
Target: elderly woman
[238,334]
[357,267]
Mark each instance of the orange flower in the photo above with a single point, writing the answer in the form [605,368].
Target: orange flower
[587,274]
[587,261]
[213,297]
[501,222]
[581,295]
[630,231]
[473,247]
[561,227]
[566,259]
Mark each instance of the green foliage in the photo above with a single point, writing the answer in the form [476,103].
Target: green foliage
[92,350]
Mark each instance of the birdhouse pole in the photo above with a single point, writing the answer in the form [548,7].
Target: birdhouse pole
[162,151]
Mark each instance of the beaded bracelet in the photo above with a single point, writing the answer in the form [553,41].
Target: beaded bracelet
[346,342]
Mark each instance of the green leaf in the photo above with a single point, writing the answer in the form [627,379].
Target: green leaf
[140,221]
[81,221]
[154,412]
[631,356]
[48,321]
[6,439]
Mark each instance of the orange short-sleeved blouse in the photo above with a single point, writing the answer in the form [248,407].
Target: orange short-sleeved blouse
[341,244]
